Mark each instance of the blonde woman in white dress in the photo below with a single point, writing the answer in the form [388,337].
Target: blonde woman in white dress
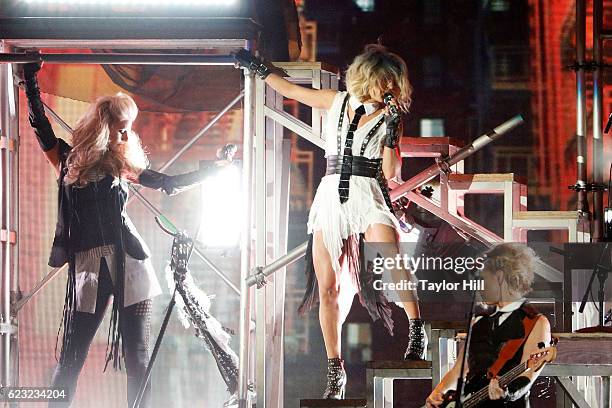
[352,203]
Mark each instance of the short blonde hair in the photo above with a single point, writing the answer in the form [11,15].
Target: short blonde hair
[517,262]
[378,70]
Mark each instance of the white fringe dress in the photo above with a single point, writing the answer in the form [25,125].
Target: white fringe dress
[343,224]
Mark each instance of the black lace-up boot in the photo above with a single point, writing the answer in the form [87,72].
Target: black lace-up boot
[417,342]
[336,379]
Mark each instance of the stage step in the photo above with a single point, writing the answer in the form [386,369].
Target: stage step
[381,374]
[316,403]
[511,186]
[482,182]
[449,325]
[523,221]
[429,146]
[546,215]
[398,365]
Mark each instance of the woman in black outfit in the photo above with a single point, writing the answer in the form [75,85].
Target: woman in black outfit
[95,236]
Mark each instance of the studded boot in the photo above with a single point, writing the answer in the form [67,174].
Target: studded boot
[417,341]
[336,379]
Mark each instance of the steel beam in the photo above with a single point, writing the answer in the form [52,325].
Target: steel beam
[245,241]
[119,58]
[598,148]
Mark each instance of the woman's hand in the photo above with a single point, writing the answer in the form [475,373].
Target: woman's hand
[315,98]
[393,120]
[435,399]
[495,391]
[245,59]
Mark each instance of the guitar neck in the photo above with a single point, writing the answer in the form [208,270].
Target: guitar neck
[483,394]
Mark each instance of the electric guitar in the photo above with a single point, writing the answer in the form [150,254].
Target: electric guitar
[475,399]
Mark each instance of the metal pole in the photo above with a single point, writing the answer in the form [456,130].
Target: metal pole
[5,290]
[261,243]
[245,244]
[464,152]
[598,162]
[39,286]
[605,392]
[8,139]
[581,158]
[119,58]
[205,129]
[15,289]
[290,257]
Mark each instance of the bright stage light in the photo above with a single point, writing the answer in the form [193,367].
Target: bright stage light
[221,206]
[127,3]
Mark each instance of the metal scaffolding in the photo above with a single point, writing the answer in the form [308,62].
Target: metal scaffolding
[265,184]
[17,35]
[271,208]
[265,188]
[582,66]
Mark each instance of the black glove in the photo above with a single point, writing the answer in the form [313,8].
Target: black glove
[30,69]
[517,388]
[392,136]
[244,58]
[38,120]
[172,185]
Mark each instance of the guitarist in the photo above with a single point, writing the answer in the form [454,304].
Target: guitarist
[505,336]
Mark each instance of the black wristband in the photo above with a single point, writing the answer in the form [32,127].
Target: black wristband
[391,139]
[246,59]
[392,135]
[263,71]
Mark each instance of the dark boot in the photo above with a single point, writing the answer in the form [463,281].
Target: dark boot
[336,379]
[417,341]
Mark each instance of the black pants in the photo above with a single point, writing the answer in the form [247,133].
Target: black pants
[135,330]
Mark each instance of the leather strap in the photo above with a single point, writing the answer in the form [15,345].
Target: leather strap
[510,348]
[360,166]
[347,158]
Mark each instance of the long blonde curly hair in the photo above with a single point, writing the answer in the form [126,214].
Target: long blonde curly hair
[376,71]
[93,154]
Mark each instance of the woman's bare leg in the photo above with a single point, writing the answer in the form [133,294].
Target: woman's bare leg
[335,302]
[381,233]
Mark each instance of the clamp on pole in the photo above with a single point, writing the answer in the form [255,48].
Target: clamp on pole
[8,328]
[260,277]
[442,163]
[588,187]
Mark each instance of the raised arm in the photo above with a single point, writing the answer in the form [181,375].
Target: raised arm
[315,98]
[38,120]
[172,185]
[392,160]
